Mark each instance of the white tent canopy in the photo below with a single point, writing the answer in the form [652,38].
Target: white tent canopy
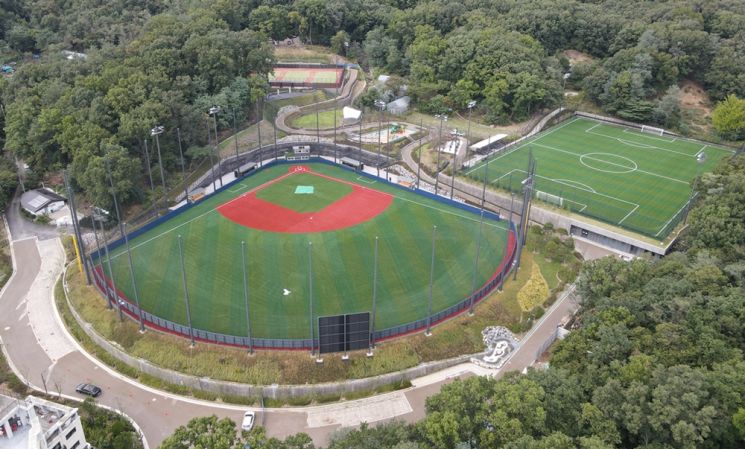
[351,114]
[484,144]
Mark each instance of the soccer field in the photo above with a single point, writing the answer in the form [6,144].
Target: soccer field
[278,211]
[616,174]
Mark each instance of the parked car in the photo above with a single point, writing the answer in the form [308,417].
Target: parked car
[248,421]
[89,390]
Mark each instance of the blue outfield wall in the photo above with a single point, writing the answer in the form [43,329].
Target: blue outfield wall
[132,310]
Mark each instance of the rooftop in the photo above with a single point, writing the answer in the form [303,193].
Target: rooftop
[37,199]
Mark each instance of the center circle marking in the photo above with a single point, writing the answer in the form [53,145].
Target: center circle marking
[622,168]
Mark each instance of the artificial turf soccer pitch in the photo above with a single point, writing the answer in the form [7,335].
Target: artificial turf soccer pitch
[617,174]
[277,216]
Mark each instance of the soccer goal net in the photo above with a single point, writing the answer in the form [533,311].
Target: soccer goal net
[653,130]
[549,198]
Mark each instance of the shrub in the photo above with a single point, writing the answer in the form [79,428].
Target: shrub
[534,292]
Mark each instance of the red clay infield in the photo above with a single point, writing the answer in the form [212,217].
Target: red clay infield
[361,205]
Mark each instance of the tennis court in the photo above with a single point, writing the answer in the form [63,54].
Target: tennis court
[620,175]
[306,77]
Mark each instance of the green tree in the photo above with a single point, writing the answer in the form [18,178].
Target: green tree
[728,118]
[204,433]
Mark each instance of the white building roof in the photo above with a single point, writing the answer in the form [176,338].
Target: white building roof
[351,113]
[486,142]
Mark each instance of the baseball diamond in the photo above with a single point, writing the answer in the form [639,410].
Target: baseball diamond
[297,240]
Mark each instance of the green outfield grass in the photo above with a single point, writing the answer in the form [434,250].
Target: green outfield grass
[325,120]
[619,175]
[342,260]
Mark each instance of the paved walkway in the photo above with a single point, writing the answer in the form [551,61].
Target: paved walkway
[44,353]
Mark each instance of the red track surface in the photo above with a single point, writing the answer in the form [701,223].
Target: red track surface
[361,205]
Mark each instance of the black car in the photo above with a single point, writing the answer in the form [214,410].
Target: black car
[88,389]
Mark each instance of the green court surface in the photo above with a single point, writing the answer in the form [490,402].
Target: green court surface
[278,263]
[619,175]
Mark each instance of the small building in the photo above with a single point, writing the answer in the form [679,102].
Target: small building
[487,144]
[37,423]
[72,55]
[351,115]
[399,106]
[42,202]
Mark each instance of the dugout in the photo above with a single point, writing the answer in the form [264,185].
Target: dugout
[354,163]
[243,169]
[487,144]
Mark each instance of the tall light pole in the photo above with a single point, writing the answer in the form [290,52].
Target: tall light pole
[183,164]
[380,104]
[471,104]
[149,169]
[155,132]
[442,118]
[214,110]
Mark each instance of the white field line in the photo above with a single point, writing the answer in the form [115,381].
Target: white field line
[671,218]
[639,145]
[313,173]
[628,130]
[527,142]
[568,182]
[701,150]
[208,212]
[636,132]
[612,163]
[628,215]
[593,127]
[238,188]
[586,187]
[366,181]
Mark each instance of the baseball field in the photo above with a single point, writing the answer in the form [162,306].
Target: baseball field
[308,228]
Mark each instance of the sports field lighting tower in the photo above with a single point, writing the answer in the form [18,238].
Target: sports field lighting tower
[214,110]
[442,118]
[471,104]
[155,132]
[380,104]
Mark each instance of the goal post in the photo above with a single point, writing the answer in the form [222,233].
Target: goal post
[549,198]
[653,130]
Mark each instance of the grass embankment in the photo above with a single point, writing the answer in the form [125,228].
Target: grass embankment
[6,264]
[456,337]
[325,120]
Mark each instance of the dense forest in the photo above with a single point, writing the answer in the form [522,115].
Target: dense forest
[657,362]
[143,63]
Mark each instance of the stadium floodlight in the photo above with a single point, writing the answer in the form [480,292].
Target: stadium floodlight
[155,132]
[471,104]
[213,111]
[442,118]
[380,104]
